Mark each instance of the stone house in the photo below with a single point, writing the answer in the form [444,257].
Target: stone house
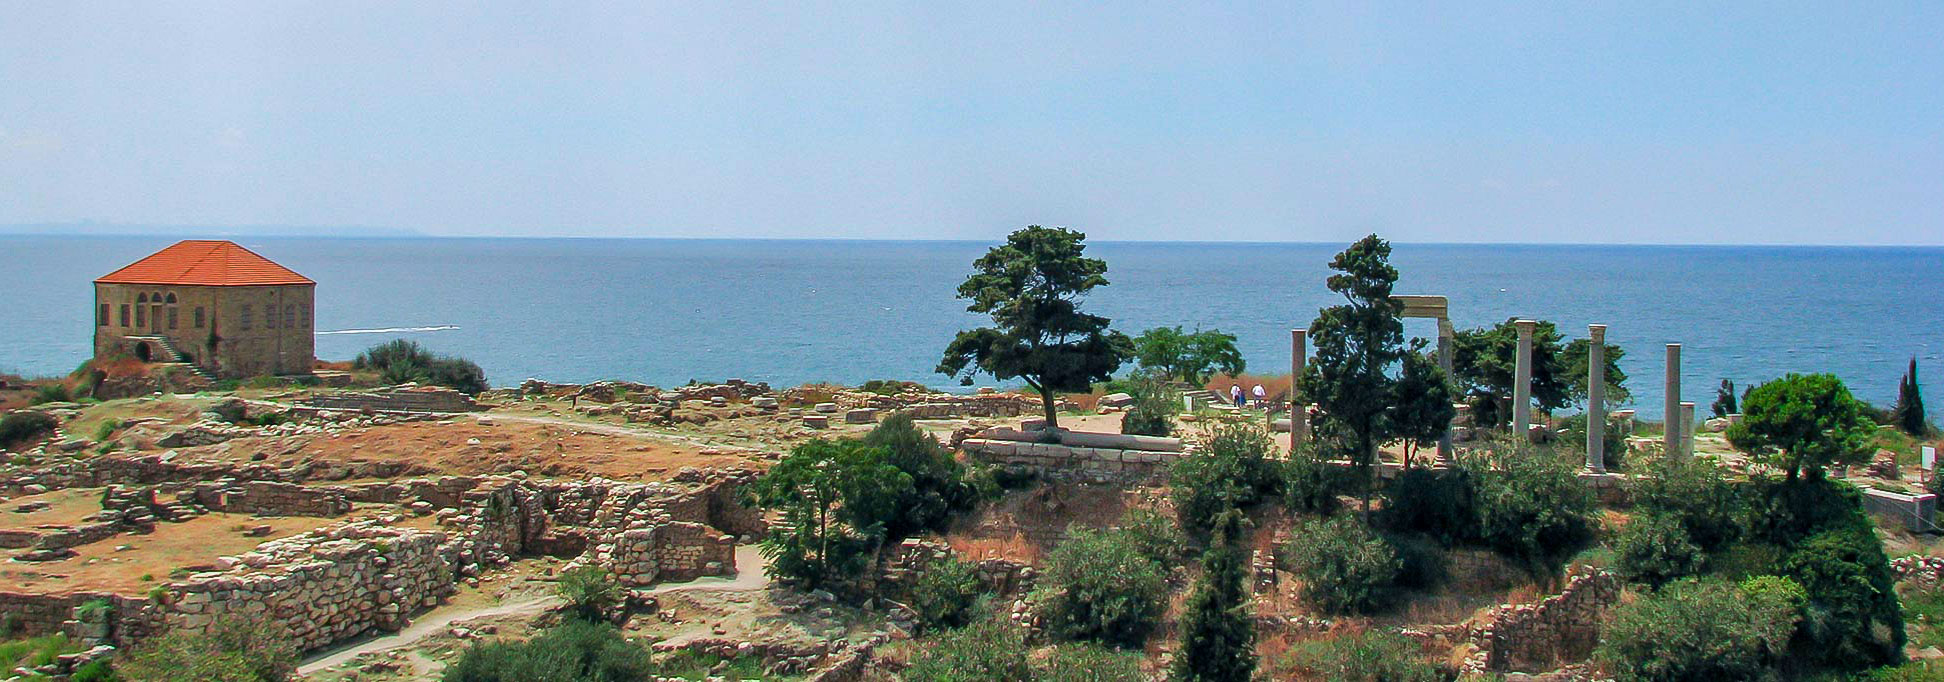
[217,305]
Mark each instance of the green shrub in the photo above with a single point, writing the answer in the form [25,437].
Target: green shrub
[1924,606]
[1914,671]
[94,671]
[988,651]
[1088,663]
[1420,560]
[938,483]
[230,650]
[946,594]
[1697,630]
[1855,621]
[34,651]
[1217,632]
[1345,568]
[1153,410]
[1368,656]
[1231,470]
[1154,536]
[1098,586]
[1615,455]
[20,426]
[1654,549]
[1746,559]
[1531,506]
[574,650]
[106,429]
[51,393]
[590,592]
[400,361]
[834,498]
[1435,502]
[1695,493]
[1308,483]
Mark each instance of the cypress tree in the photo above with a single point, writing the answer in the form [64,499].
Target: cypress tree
[1910,404]
[1724,403]
[1218,633]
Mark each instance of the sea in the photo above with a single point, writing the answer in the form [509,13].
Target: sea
[666,311]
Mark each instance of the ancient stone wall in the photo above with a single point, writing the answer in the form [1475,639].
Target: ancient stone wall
[669,551]
[398,399]
[1065,461]
[270,498]
[1558,629]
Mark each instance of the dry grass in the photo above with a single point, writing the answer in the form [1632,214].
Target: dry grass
[1015,547]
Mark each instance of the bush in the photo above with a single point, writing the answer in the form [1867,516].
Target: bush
[1697,630]
[1088,663]
[400,361]
[1420,560]
[51,393]
[990,650]
[1153,410]
[1855,621]
[1531,506]
[1231,470]
[1436,502]
[1614,456]
[1154,536]
[1344,567]
[1368,656]
[938,483]
[1654,549]
[946,594]
[1694,493]
[574,650]
[34,652]
[1803,423]
[1098,586]
[20,426]
[590,592]
[1308,483]
[230,650]
[94,671]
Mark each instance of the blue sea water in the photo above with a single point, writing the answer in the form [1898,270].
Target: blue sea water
[788,312]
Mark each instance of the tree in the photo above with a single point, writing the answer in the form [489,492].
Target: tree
[1575,358]
[1190,357]
[1802,423]
[1217,632]
[590,592]
[938,486]
[1724,402]
[1357,345]
[834,497]
[1485,364]
[1345,568]
[1230,470]
[1152,412]
[1423,409]
[1909,411]
[1031,287]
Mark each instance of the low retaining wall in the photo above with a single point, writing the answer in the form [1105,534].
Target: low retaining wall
[1057,460]
[269,498]
[670,551]
[1561,628]
[1912,511]
[423,399]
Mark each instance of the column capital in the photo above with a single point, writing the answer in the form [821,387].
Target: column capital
[1525,326]
[1596,331]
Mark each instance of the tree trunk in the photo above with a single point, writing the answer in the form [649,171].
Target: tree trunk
[1052,416]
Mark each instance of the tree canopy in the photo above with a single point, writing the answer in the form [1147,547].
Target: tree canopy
[1802,423]
[1031,287]
[834,497]
[1188,356]
[1357,345]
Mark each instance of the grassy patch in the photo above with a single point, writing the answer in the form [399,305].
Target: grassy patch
[1924,616]
[35,651]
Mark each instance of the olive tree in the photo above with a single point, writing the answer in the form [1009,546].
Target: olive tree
[1803,422]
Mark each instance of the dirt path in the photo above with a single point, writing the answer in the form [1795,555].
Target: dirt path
[750,575]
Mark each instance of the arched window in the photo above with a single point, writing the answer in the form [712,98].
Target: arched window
[199,317]
[141,298]
[172,298]
[243,317]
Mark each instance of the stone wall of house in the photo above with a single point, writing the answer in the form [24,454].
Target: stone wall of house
[1558,629]
[669,551]
[270,498]
[32,615]
[325,586]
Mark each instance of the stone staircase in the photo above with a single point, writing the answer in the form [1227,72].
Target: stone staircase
[174,356]
[1205,398]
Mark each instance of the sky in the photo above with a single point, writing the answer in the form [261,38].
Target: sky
[1545,122]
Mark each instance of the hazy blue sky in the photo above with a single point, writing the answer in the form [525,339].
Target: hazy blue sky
[1766,122]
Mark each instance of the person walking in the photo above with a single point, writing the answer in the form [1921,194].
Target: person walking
[1235,395]
[1261,396]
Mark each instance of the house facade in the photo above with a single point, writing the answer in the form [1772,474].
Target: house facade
[215,304]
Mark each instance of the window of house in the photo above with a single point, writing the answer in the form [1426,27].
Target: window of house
[243,317]
[172,298]
[172,317]
[304,311]
[141,298]
[124,314]
[199,317]
[290,316]
[141,311]
[104,315]
[270,316]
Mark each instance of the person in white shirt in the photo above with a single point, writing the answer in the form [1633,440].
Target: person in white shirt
[1235,395]
[1261,396]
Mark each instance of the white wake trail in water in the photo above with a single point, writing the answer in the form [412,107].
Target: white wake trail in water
[392,330]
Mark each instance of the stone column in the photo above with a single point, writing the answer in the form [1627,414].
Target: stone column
[1687,429]
[1671,413]
[1596,398]
[1298,405]
[1522,382]
[1444,361]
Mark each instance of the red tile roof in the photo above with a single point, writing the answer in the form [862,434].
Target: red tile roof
[209,263]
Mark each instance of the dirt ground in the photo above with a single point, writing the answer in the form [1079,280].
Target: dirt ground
[132,564]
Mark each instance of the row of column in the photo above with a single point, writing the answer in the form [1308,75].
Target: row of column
[1678,415]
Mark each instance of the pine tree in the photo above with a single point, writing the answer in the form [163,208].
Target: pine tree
[1724,403]
[1910,404]
[1358,347]
[1218,633]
